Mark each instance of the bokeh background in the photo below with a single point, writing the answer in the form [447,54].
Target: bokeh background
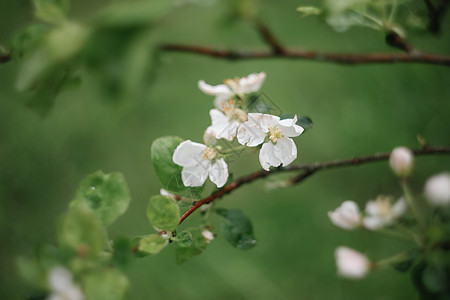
[356,110]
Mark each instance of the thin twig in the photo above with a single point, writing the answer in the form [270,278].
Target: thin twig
[309,169]
[269,38]
[5,58]
[340,58]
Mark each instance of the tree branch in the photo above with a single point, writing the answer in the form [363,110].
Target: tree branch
[309,169]
[340,58]
[5,58]
[269,38]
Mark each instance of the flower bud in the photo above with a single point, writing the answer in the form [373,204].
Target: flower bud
[351,263]
[437,189]
[208,235]
[346,216]
[401,161]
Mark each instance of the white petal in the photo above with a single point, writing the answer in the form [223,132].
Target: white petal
[437,189]
[250,132]
[373,222]
[188,153]
[285,150]
[195,175]
[351,263]
[209,137]
[252,83]
[399,208]
[60,279]
[289,128]
[346,216]
[220,89]
[267,157]
[218,172]
[266,121]
[372,208]
[221,126]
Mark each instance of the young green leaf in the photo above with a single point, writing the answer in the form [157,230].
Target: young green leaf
[163,212]
[167,171]
[108,284]
[51,11]
[183,239]
[237,228]
[198,245]
[105,195]
[151,244]
[309,11]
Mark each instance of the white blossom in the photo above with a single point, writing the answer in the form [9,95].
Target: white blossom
[401,161]
[280,148]
[381,212]
[346,216]
[208,235]
[200,161]
[225,122]
[62,286]
[237,86]
[437,189]
[351,263]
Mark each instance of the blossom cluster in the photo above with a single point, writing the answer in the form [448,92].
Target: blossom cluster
[384,212]
[230,120]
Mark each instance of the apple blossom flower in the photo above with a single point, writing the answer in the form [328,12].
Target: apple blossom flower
[233,87]
[209,137]
[381,212]
[280,148]
[200,161]
[437,189]
[346,216]
[225,122]
[208,235]
[62,286]
[401,161]
[351,263]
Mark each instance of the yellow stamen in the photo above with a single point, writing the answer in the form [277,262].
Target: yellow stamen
[209,154]
[275,134]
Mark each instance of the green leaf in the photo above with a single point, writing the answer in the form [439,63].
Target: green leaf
[109,284]
[27,40]
[198,245]
[435,279]
[105,195]
[123,253]
[51,11]
[32,272]
[167,171]
[81,232]
[163,212]
[152,244]
[183,239]
[309,11]
[237,228]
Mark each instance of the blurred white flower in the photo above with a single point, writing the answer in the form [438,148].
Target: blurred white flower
[164,192]
[208,235]
[280,148]
[199,161]
[346,216]
[401,161]
[62,286]
[237,86]
[209,137]
[351,263]
[437,189]
[381,212]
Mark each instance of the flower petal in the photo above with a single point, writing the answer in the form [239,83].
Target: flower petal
[289,128]
[285,150]
[399,208]
[195,175]
[252,83]
[221,126]
[221,89]
[267,157]
[188,153]
[250,132]
[218,172]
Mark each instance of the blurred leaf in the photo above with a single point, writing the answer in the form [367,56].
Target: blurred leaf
[51,11]
[32,272]
[26,40]
[183,239]
[105,195]
[167,171]
[309,11]
[123,253]
[163,212]
[435,279]
[152,244]
[237,228]
[133,13]
[81,232]
[109,284]
[198,245]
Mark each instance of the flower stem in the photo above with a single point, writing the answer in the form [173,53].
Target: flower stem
[395,234]
[399,257]
[410,199]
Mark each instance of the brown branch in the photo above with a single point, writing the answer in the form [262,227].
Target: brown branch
[340,58]
[5,58]
[269,38]
[309,169]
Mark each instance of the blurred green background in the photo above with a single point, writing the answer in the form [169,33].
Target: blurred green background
[356,110]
